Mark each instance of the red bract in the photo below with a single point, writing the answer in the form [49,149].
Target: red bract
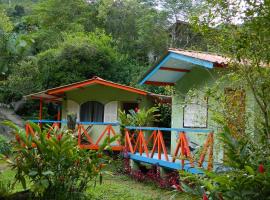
[261,169]
[18,138]
[205,197]
[59,137]
[48,135]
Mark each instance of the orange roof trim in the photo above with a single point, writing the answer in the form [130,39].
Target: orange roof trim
[94,80]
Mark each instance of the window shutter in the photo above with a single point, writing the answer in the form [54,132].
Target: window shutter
[110,111]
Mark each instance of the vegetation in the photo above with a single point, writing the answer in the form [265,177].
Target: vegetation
[5,147]
[245,141]
[114,186]
[139,117]
[43,46]
[53,163]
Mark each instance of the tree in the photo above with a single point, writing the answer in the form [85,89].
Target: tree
[139,28]
[81,56]
[52,17]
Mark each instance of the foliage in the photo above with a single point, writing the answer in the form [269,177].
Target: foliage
[141,117]
[49,20]
[245,130]
[115,40]
[27,72]
[81,56]
[245,178]
[136,26]
[5,147]
[165,111]
[5,23]
[5,189]
[53,162]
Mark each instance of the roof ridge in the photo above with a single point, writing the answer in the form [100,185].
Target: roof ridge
[195,51]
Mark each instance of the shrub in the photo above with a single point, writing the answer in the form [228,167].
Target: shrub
[5,147]
[139,117]
[5,189]
[247,178]
[53,162]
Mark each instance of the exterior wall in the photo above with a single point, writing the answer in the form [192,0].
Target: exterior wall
[199,78]
[104,95]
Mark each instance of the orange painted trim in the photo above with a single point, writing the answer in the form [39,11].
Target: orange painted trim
[47,99]
[95,81]
[156,83]
[174,69]
[128,142]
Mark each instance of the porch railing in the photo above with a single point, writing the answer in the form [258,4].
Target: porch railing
[135,142]
[83,130]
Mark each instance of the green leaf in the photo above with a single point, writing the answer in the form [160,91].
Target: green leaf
[22,180]
[249,170]
[47,173]
[44,183]
[33,173]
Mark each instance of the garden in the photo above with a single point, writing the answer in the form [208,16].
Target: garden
[51,43]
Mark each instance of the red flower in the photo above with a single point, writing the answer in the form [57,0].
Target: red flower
[205,197]
[59,137]
[261,169]
[18,138]
[48,135]
[136,109]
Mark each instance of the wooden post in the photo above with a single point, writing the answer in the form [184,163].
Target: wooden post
[40,110]
[58,115]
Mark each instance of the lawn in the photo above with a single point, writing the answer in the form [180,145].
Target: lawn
[114,187]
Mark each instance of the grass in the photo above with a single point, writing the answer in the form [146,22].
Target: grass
[118,187]
[113,187]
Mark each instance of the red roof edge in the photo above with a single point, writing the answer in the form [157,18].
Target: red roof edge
[94,80]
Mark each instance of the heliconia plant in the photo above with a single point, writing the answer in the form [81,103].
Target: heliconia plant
[53,162]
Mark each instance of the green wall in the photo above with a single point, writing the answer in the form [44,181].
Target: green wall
[104,94]
[198,78]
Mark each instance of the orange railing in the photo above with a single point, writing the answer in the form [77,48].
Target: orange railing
[85,140]
[141,145]
[137,143]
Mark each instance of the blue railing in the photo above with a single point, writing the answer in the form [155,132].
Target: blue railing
[195,130]
[83,123]
[169,129]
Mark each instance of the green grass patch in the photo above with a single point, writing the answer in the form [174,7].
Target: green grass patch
[118,187]
[113,187]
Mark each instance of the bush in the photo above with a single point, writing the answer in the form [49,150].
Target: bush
[53,162]
[5,147]
[246,177]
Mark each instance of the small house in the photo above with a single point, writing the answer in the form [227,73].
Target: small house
[96,102]
[188,70]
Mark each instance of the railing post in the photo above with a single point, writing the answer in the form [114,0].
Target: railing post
[40,110]
[210,156]
[79,135]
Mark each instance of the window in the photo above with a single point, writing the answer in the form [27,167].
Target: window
[110,111]
[91,111]
[196,113]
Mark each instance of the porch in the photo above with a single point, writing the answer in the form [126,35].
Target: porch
[144,144]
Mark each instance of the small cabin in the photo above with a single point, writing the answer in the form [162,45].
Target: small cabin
[188,70]
[97,102]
